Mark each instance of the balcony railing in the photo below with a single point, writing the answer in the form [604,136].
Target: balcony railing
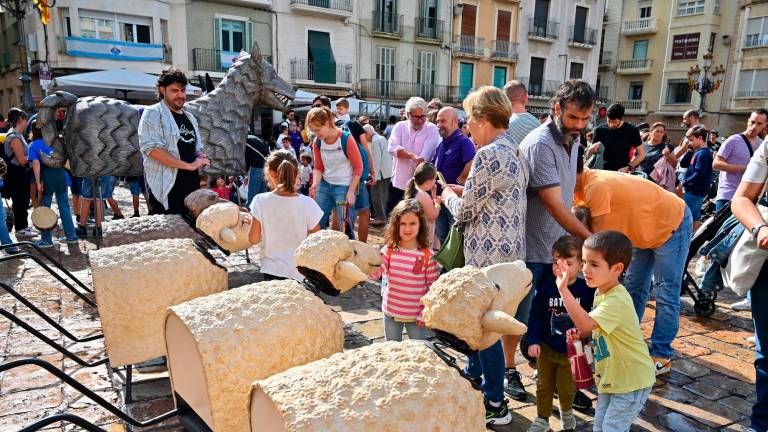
[602,93]
[305,70]
[543,29]
[429,28]
[634,64]
[387,23]
[402,91]
[639,26]
[112,49]
[212,60]
[606,59]
[336,5]
[540,88]
[504,50]
[755,41]
[752,93]
[582,35]
[469,45]
[634,106]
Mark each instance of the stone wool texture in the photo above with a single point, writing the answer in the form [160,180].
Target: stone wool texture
[136,283]
[221,217]
[253,332]
[456,303]
[154,227]
[322,250]
[390,386]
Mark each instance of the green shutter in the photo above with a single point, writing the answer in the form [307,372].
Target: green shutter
[322,57]
[216,53]
[248,42]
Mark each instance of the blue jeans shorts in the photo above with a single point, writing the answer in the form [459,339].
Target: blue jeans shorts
[694,203]
[107,186]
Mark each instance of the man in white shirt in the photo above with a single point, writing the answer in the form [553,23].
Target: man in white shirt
[382,173]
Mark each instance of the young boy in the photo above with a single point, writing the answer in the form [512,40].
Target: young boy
[698,177]
[547,326]
[305,173]
[624,371]
[342,110]
[286,145]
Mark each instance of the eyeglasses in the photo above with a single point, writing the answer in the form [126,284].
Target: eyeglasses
[418,117]
[317,106]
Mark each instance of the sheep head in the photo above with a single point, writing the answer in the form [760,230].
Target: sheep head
[200,200]
[333,263]
[227,225]
[477,306]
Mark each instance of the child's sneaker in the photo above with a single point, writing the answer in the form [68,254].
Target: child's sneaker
[42,244]
[69,240]
[27,232]
[499,415]
[567,420]
[582,402]
[540,425]
[662,365]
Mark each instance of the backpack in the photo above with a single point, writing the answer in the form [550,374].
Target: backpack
[345,134]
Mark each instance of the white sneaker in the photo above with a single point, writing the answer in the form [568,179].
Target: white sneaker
[701,266]
[27,232]
[567,420]
[751,339]
[744,305]
[540,425]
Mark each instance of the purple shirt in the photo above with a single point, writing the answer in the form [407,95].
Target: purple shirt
[734,151]
[453,154]
[296,141]
[422,142]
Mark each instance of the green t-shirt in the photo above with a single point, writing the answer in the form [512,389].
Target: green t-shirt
[622,361]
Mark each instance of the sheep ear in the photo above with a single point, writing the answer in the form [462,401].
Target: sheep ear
[501,322]
[348,270]
[228,235]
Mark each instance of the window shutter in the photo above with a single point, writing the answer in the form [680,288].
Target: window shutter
[503,24]
[248,43]
[217,33]
[468,19]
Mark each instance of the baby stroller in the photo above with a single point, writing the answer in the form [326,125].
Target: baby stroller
[703,301]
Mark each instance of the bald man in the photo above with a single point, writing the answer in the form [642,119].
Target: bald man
[453,159]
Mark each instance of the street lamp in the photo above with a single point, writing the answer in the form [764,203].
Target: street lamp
[705,84]
[18,8]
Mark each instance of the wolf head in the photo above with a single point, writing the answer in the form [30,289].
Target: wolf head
[274,92]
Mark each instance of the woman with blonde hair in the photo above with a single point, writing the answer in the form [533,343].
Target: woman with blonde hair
[491,208]
[338,163]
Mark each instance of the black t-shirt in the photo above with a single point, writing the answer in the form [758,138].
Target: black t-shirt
[354,127]
[617,144]
[186,181]
[252,158]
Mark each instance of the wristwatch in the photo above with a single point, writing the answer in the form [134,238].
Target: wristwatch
[756,229]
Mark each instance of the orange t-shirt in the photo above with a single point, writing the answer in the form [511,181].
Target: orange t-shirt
[636,207]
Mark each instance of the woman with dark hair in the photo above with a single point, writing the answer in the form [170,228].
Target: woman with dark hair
[19,175]
[656,147]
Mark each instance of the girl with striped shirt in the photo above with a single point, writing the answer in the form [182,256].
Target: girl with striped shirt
[407,271]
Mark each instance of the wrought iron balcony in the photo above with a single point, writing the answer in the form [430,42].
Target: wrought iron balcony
[211,60]
[755,41]
[429,28]
[302,69]
[635,66]
[606,59]
[639,26]
[540,88]
[469,45]
[332,8]
[387,23]
[638,107]
[582,36]
[762,94]
[504,50]
[402,91]
[543,29]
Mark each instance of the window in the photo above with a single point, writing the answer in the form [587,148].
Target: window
[425,72]
[757,32]
[541,13]
[640,50]
[537,76]
[580,24]
[68,26]
[97,28]
[321,65]
[678,91]
[636,90]
[232,35]
[135,33]
[690,7]
[685,46]
[717,6]
[503,24]
[577,70]
[499,76]
[428,19]
[385,64]
[645,12]
[466,78]
[751,83]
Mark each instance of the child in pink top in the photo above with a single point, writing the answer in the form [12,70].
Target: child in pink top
[407,271]
[423,188]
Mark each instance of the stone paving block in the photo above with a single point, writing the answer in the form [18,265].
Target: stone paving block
[31,400]
[680,423]
[734,337]
[706,391]
[727,365]
[733,386]
[720,347]
[701,325]
[371,329]
[361,315]
[14,422]
[701,410]
[26,378]
[738,404]
[689,368]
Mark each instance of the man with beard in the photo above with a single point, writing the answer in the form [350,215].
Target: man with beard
[170,142]
[453,160]
[551,152]
[618,138]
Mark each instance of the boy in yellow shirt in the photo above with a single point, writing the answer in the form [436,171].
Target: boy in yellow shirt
[624,371]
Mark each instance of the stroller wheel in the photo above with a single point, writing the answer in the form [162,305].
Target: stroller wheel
[704,308]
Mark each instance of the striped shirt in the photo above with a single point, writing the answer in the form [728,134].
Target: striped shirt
[520,125]
[405,279]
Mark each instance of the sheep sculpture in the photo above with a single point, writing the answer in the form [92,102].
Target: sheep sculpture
[390,386]
[334,262]
[152,227]
[227,225]
[219,344]
[477,306]
[136,283]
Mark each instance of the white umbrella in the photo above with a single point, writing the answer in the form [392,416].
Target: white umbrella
[113,82]
[303,98]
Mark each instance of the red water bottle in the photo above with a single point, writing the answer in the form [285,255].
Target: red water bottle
[580,356]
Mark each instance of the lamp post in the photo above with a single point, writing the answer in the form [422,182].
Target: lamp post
[18,8]
[705,83]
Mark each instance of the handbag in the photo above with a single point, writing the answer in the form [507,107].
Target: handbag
[746,261]
[451,253]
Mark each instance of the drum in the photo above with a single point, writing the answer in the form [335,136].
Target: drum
[44,219]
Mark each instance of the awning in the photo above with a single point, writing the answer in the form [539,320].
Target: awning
[120,83]
[322,57]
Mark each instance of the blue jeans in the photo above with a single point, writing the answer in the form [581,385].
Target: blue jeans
[443,224]
[327,197]
[393,330]
[760,318]
[65,213]
[538,270]
[256,183]
[694,203]
[5,237]
[719,204]
[490,364]
[666,265]
[615,412]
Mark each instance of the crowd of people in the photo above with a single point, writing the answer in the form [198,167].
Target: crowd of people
[601,218]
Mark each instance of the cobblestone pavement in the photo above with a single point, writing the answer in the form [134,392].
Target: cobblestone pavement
[711,386]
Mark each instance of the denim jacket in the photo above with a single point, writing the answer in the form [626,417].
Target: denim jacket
[718,250]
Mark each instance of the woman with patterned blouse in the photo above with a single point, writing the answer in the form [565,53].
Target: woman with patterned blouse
[491,208]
